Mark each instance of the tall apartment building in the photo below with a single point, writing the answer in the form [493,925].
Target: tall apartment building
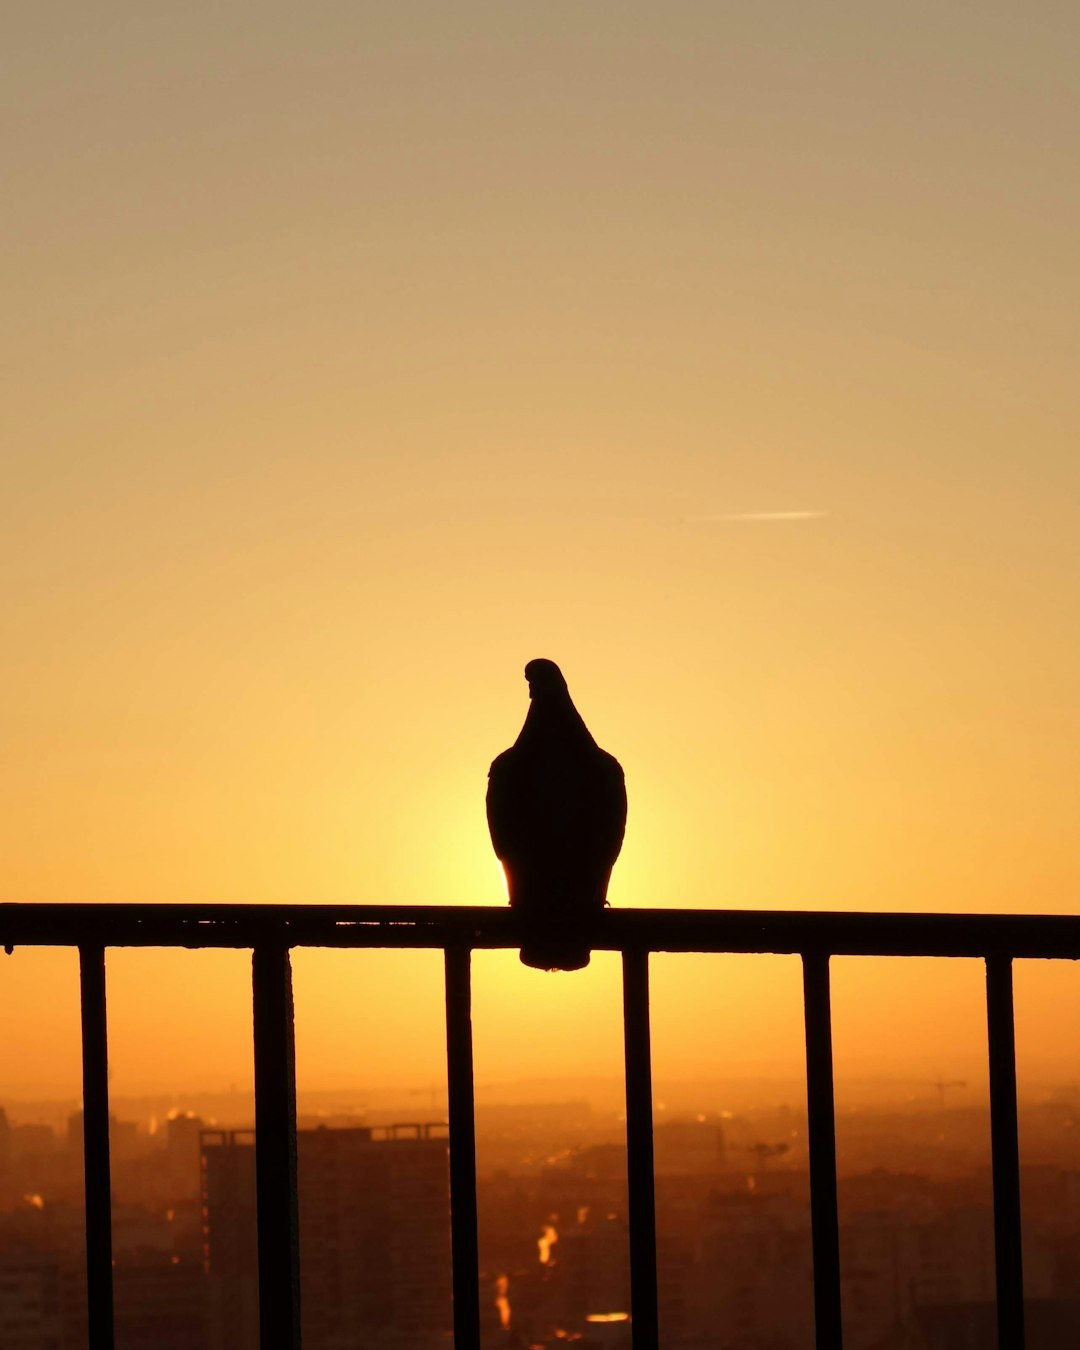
[374,1237]
[30,1311]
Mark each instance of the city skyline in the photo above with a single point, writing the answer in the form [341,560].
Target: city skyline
[733,1222]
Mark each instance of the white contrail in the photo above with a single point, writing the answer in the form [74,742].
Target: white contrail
[754,517]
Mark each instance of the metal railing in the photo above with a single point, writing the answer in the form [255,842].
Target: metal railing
[270,931]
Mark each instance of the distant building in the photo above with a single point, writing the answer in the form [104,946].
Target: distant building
[689,1147]
[30,1312]
[590,1278]
[1050,1324]
[230,1255]
[123,1137]
[183,1132]
[374,1237]
[159,1300]
[751,1246]
[31,1143]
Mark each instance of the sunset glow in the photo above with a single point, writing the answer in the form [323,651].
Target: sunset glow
[361,356]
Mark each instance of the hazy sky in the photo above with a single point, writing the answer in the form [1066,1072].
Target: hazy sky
[357,354]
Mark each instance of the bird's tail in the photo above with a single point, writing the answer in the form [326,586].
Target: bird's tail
[558,921]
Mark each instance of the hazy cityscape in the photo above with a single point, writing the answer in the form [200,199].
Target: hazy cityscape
[496,490]
[732,1212]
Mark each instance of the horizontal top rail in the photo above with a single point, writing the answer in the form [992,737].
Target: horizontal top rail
[488,926]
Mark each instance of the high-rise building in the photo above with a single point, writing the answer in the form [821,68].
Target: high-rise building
[5,1143]
[374,1237]
[230,1254]
[29,1300]
[159,1302]
[183,1131]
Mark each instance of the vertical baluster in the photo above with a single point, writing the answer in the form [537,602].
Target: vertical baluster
[1008,1256]
[639,1150]
[96,1170]
[459,1065]
[821,1112]
[275,1148]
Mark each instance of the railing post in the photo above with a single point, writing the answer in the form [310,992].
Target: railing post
[644,1308]
[96,1170]
[275,1148]
[821,1117]
[1005,1150]
[464,1250]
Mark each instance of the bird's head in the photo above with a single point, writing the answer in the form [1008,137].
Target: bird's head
[545,679]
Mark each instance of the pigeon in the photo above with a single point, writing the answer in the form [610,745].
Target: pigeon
[556,808]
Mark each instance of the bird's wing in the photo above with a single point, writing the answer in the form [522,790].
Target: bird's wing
[521,815]
[503,812]
[613,809]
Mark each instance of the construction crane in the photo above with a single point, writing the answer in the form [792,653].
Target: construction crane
[942,1085]
[763,1152]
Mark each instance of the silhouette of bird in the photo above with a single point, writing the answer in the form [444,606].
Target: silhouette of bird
[556,808]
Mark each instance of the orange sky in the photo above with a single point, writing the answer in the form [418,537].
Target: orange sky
[357,355]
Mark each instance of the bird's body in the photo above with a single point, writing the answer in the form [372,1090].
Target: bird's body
[556,806]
